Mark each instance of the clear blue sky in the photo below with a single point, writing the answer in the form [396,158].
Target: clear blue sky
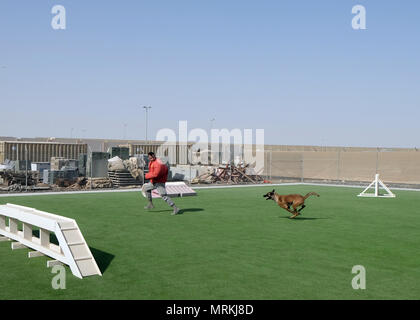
[295,68]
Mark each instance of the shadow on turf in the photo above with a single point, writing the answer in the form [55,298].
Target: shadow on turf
[191,210]
[53,238]
[181,210]
[103,259]
[302,218]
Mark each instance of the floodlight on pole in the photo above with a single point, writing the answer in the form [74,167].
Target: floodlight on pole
[211,123]
[147,108]
[91,164]
[26,168]
[211,128]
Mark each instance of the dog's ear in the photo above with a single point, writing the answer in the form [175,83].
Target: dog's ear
[272,191]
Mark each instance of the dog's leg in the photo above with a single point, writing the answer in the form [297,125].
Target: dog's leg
[303,206]
[297,205]
[285,207]
[295,214]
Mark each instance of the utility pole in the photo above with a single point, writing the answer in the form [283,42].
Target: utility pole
[211,123]
[91,166]
[147,108]
[26,167]
[210,146]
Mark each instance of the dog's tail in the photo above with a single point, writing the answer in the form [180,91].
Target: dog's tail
[311,194]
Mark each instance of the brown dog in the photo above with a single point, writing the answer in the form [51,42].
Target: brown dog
[290,200]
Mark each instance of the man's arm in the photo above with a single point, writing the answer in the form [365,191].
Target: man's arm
[153,172]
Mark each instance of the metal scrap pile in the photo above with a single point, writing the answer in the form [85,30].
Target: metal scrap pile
[83,183]
[13,188]
[231,174]
[11,181]
[11,178]
[80,184]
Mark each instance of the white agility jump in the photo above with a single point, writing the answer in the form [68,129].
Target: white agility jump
[72,249]
[377,184]
[176,189]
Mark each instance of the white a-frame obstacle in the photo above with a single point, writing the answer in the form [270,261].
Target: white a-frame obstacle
[377,184]
[72,248]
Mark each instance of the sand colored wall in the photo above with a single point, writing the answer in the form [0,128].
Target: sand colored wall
[393,166]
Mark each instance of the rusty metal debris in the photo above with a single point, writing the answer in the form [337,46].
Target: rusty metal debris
[230,174]
[10,178]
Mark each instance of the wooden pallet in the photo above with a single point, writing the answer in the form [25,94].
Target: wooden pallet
[123,178]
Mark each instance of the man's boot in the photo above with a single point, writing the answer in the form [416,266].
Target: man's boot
[176,210]
[149,205]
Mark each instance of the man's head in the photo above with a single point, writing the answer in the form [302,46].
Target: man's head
[269,195]
[151,156]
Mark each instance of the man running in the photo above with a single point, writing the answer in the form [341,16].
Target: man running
[158,174]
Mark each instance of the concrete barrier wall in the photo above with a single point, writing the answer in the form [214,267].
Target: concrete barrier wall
[393,166]
[402,167]
[357,166]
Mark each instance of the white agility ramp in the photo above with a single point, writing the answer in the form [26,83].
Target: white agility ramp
[175,189]
[376,184]
[72,249]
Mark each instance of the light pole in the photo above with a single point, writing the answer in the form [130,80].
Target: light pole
[91,166]
[147,108]
[211,123]
[26,168]
[210,146]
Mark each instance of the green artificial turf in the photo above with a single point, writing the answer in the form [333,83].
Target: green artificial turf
[230,244]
